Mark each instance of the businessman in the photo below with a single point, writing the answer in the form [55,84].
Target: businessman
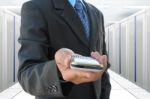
[51,32]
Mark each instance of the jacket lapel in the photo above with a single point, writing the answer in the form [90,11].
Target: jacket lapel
[69,15]
[93,27]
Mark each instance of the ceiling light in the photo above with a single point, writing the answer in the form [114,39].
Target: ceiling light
[135,7]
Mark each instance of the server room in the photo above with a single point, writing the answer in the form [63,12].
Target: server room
[127,38]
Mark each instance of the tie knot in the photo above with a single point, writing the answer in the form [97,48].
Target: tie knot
[78,5]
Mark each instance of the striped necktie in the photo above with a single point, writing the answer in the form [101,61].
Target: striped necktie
[81,11]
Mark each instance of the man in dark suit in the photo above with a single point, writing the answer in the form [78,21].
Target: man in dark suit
[51,32]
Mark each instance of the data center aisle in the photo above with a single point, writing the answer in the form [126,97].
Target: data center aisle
[121,89]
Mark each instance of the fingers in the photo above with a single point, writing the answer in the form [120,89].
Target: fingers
[101,58]
[71,74]
[66,60]
[105,60]
[78,77]
[88,77]
[97,56]
[63,58]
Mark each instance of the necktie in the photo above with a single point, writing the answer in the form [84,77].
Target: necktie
[81,11]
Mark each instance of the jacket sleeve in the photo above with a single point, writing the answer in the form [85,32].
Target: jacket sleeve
[37,74]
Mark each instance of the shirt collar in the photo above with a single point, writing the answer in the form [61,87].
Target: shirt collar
[72,2]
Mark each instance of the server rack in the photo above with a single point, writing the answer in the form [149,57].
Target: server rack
[9,48]
[112,31]
[116,47]
[134,48]
[3,56]
[131,29]
[107,39]
[1,50]
[148,54]
[139,49]
[110,50]
[123,49]
[146,51]
[17,45]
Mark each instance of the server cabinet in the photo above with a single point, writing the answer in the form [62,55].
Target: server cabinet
[107,39]
[116,47]
[9,33]
[148,50]
[10,49]
[123,48]
[1,22]
[131,49]
[148,58]
[17,45]
[110,33]
[114,44]
[139,49]
[148,62]
[133,52]
[111,50]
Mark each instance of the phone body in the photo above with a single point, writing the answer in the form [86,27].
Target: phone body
[85,63]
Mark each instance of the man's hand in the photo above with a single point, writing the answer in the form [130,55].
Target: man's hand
[102,59]
[63,59]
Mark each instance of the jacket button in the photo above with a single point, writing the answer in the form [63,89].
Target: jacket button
[52,89]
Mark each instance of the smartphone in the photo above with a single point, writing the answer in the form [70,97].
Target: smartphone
[85,63]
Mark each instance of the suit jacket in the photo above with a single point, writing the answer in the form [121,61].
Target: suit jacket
[46,26]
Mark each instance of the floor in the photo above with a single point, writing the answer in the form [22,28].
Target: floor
[121,89]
